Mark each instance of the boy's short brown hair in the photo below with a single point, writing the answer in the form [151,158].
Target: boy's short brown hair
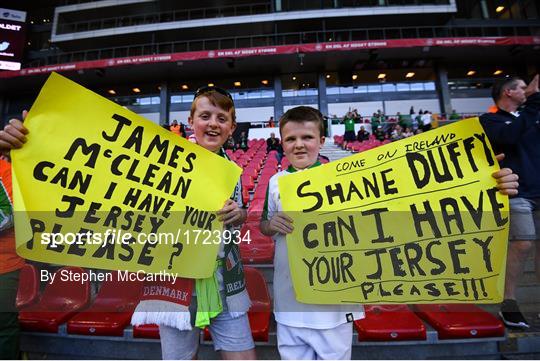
[217,98]
[302,114]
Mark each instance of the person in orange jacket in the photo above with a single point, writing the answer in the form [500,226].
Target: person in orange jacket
[10,265]
[175,127]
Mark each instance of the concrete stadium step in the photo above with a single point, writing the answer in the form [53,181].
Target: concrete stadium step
[333,152]
[62,346]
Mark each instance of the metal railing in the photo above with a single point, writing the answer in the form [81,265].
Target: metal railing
[219,12]
[162,17]
[56,56]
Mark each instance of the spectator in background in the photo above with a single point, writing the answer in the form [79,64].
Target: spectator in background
[355,115]
[349,135]
[229,144]
[362,134]
[454,115]
[271,123]
[175,128]
[375,122]
[515,131]
[379,133]
[243,141]
[397,133]
[10,265]
[411,111]
[416,120]
[404,120]
[408,132]
[182,130]
[274,143]
[425,120]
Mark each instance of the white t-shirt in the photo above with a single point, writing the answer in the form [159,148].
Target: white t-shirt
[426,119]
[287,310]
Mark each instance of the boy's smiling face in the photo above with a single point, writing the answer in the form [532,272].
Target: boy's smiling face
[211,124]
[301,143]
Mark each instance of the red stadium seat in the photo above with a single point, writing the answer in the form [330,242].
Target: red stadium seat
[257,203]
[272,155]
[247,182]
[111,311]
[260,193]
[28,291]
[259,158]
[285,163]
[242,162]
[255,210]
[259,313]
[269,171]
[460,321]
[390,323]
[146,331]
[250,171]
[259,249]
[245,195]
[270,166]
[60,301]
[264,180]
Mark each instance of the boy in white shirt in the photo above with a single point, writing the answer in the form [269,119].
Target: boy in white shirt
[304,331]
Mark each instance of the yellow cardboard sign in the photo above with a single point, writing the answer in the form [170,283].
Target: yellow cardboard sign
[416,221]
[99,186]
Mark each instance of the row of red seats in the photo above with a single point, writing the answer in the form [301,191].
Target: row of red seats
[451,321]
[111,311]
[69,301]
[357,146]
[258,248]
